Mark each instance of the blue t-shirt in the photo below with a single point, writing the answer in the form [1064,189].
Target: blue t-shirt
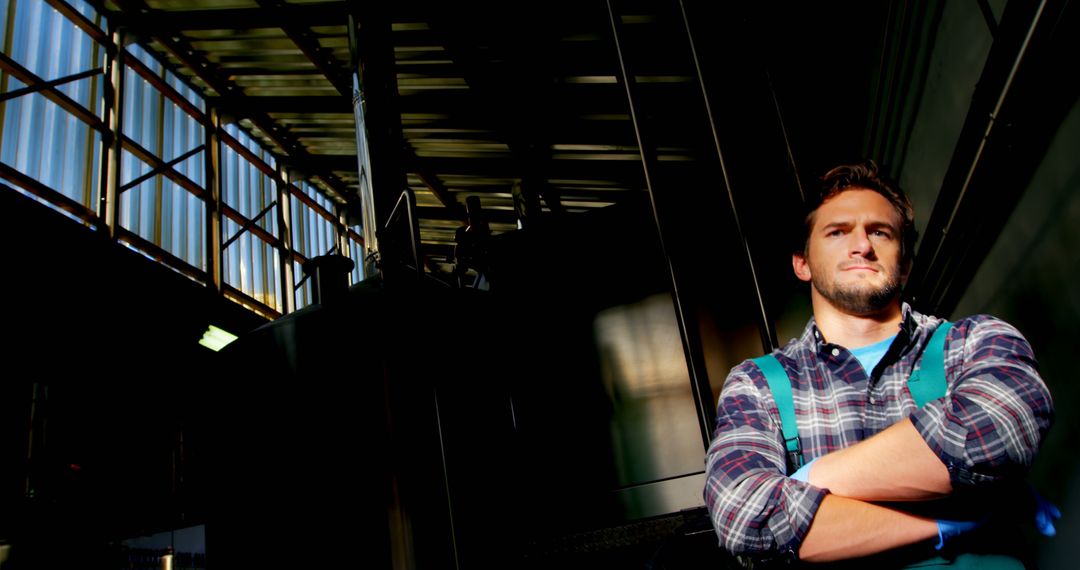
[871,354]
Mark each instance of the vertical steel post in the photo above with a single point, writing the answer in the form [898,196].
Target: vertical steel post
[692,349]
[768,333]
[977,137]
[39,396]
[344,247]
[363,157]
[214,253]
[113,98]
[284,209]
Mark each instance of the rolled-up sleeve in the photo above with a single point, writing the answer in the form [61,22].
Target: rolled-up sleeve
[754,507]
[996,410]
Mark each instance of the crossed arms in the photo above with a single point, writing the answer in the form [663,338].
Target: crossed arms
[988,427]
[894,465]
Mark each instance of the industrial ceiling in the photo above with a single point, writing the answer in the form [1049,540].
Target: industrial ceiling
[497,99]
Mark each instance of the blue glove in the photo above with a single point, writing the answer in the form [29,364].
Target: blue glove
[947,530]
[1045,514]
[803,473]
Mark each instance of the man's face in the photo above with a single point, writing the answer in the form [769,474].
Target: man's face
[853,254]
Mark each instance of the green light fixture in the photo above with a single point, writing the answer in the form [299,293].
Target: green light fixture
[216,339]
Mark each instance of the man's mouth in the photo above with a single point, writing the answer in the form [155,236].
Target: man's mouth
[859,267]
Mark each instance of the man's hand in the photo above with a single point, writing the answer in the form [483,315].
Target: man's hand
[1045,514]
[947,530]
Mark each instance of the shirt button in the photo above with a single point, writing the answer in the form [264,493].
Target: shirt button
[872,400]
[836,352]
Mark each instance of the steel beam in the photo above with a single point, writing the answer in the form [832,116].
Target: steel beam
[690,340]
[51,93]
[133,13]
[1019,103]
[308,15]
[765,327]
[213,202]
[113,98]
[284,219]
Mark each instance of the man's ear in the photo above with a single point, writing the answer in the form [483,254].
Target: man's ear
[801,266]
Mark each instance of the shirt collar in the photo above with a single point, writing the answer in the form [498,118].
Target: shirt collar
[910,321]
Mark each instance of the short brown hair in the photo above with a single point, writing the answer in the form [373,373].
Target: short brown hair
[864,175]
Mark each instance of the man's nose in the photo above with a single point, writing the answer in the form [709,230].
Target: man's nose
[860,243]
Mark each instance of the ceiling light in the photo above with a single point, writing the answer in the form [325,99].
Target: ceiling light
[216,339]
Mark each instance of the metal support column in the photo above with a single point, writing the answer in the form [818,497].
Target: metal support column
[342,228]
[213,203]
[114,113]
[288,281]
[363,157]
[768,332]
[691,348]
[1020,102]
[39,398]
[383,147]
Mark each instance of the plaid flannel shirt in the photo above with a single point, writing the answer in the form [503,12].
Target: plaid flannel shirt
[989,425]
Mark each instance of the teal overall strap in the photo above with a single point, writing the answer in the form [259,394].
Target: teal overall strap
[928,382]
[780,385]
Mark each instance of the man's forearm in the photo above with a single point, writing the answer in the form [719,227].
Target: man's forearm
[847,528]
[894,465]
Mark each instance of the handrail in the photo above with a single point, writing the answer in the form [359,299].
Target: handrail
[414,231]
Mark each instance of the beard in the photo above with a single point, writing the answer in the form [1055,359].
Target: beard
[859,297]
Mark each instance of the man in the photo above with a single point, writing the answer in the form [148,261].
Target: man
[868,447]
